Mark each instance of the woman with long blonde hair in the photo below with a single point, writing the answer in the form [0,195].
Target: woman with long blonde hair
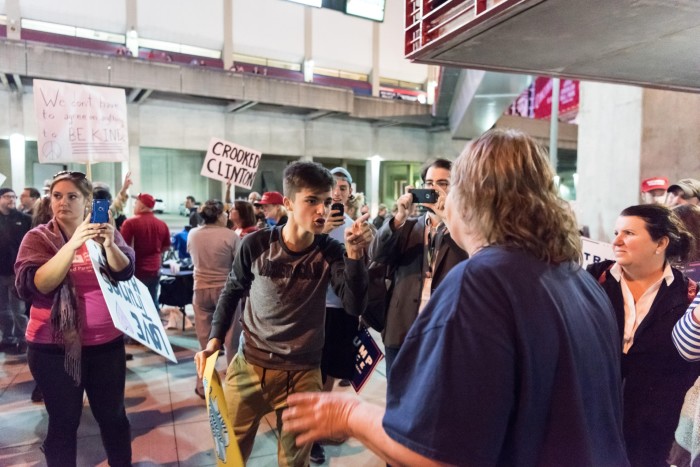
[515,358]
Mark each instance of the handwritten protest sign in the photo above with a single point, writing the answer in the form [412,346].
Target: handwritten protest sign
[131,306]
[79,123]
[227,161]
[595,252]
[225,445]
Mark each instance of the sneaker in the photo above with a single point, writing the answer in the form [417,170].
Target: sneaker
[37,395]
[344,383]
[318,456]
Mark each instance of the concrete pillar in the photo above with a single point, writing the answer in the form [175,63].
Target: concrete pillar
[627,134]
[18,160]
[14,20]
[227,52]
[670,136]
[609,146]
[308,65]
[134,164]
[132,27]
[374,75]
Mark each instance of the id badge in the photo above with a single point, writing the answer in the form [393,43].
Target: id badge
[425,293]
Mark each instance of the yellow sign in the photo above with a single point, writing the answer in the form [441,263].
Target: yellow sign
[225,445]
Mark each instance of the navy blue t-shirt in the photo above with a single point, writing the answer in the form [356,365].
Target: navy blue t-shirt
[513,362]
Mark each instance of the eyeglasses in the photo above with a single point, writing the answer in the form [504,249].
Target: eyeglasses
[9,196]
[444,184]
[75,175]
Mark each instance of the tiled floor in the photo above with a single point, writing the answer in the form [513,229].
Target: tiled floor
[168,421]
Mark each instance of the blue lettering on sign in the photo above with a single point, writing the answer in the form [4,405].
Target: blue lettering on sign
[218,429]
[148,331]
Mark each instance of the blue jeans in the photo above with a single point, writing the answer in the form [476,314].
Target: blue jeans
[103,376]
[152,284]
[13,320]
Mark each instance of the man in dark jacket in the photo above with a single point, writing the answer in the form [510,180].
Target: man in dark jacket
[420,251]
[13,226]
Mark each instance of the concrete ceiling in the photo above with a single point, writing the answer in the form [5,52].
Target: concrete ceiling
[653,43]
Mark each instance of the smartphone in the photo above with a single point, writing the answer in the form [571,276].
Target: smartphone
[338,207]
[100,211]
[424,195]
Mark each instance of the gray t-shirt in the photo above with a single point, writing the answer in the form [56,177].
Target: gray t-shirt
[284,317]
[212,248]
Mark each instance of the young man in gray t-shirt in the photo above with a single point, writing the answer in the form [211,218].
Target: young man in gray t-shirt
[286,270]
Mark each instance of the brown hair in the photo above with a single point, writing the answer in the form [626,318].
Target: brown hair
[42,213]
[78,179]
[660,221]
[311,175]
[504,187]
[245,213]
[211,211]
[689,214]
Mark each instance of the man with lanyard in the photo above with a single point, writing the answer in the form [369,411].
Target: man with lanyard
[420,251]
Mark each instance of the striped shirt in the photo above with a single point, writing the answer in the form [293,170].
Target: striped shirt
[686,334]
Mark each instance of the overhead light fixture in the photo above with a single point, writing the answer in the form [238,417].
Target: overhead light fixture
[313,3]
[308,71]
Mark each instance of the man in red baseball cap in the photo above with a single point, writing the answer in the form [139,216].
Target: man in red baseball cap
[272,203]
[149,236]
[654,190]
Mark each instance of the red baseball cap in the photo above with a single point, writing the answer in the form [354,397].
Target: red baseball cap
[654,183]
[271,197]
[147,200]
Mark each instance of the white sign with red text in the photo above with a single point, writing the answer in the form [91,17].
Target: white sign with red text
[80,123]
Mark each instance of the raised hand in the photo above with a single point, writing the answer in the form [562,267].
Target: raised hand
[358,237]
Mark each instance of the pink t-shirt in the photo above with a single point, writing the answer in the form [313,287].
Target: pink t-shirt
[97,326]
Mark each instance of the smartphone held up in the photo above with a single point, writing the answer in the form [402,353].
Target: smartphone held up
[100,211]
[424,195]
[339,208]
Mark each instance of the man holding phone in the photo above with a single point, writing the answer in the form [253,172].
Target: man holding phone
[419,250]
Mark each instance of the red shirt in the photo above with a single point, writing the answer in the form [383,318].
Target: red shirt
[148,236]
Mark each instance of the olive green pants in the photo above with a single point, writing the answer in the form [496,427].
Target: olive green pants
[252,391]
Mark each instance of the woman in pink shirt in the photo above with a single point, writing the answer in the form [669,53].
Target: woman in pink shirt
[74,347]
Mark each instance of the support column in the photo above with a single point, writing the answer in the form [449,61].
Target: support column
[308,65]
[372,171]
[374,75]
[14,20]
[554,127]
[18,160]
[134,164]
[627,134]
[609,145]
[227,52]
[132,27]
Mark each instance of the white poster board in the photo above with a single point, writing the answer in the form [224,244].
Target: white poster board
[131,306]
[80,123]
[228,161]
[595,252]
[2,179]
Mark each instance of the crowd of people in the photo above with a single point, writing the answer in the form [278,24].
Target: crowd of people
[501,349]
